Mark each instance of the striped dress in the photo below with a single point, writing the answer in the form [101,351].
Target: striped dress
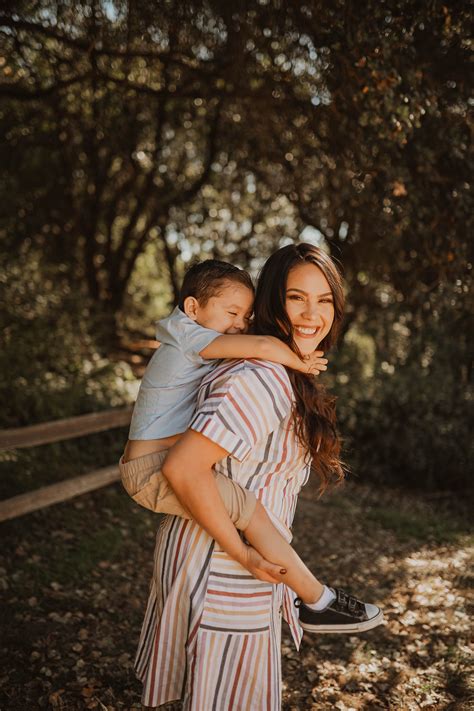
[211,633]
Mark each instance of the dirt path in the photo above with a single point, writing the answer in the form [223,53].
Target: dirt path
[74,582]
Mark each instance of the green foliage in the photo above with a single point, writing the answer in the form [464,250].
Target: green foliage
[139,136]
[405,404]
[52,370]
[149,296]
[205,128]
[50,364]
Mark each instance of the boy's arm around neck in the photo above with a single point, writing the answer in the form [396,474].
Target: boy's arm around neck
[261,347]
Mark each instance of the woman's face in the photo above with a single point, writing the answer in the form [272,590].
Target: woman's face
[309,305]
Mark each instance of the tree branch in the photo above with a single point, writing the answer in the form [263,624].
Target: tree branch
[85,45]
[22,93]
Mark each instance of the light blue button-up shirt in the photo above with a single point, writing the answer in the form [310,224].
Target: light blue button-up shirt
[168,391]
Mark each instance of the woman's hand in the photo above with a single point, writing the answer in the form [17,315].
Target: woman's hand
[313,363]
[261,568]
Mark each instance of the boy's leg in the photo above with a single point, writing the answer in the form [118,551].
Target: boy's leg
[321,609]
[144,482]
[263,536]
[249,516]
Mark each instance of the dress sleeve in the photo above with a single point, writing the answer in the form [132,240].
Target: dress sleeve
[244,407]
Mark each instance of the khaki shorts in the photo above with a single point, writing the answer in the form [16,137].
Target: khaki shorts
[144,482]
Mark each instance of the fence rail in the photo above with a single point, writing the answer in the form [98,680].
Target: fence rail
[58,431]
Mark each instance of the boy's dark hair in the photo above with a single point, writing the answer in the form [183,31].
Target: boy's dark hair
[205,279]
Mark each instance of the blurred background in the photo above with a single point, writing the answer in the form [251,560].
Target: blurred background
[137,136]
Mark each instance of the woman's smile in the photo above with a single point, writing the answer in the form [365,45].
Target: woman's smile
[306,331]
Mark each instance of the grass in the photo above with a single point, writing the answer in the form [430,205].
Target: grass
[408,517]
[85,556]
[424,526]
[72,550]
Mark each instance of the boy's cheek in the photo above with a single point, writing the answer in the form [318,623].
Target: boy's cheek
[233,331]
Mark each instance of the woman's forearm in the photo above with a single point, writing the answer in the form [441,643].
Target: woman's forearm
[188,468]
[196,489]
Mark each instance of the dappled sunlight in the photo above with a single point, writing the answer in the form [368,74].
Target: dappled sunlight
[86,566]
[142,136]
[410,661]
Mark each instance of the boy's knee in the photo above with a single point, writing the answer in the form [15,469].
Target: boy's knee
[247,509]
[240,503]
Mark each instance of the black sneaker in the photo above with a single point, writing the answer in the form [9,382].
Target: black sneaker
[345,614]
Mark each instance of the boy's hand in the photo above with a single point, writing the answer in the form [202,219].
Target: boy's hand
[314,363]
[261,568]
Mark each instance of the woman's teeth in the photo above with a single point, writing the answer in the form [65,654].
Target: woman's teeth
[305,331]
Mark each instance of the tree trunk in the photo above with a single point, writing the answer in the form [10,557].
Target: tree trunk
[105,326]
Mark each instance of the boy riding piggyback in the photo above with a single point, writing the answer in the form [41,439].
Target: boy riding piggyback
[213,314]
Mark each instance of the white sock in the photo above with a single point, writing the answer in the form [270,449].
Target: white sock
[328,595]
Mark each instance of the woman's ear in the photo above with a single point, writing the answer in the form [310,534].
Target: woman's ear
[191,306]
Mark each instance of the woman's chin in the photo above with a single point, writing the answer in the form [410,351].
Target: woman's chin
[307,345]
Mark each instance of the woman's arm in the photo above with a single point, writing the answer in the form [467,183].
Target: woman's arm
[188,468]
[264,348]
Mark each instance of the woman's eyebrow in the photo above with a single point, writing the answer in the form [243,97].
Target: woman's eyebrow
[293,288]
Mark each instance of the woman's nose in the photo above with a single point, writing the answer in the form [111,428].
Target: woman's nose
[311,312]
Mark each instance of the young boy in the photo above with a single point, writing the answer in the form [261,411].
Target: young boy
[214,310]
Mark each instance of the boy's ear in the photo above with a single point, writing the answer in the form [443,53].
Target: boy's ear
[190,307]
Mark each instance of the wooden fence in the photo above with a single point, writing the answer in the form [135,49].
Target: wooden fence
[58,431]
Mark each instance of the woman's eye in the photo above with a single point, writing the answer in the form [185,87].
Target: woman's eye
[295,297]
[232,313]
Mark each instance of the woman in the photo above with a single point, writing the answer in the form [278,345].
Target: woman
[211,634]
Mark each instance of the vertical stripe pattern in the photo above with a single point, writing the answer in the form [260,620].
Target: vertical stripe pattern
[211,634]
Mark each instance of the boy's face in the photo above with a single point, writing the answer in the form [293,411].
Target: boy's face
[228,312]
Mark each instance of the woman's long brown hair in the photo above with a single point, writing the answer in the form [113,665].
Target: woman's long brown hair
[315,410]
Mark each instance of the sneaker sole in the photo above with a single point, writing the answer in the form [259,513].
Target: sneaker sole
[344,629]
